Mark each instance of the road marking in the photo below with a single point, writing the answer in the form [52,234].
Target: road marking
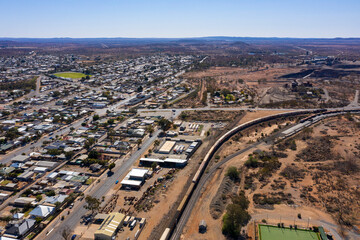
[50,231]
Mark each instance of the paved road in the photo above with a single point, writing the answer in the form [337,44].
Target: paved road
[98,191]
[113,107]
[327,96]
[202,60]
[355,102]
[181,97]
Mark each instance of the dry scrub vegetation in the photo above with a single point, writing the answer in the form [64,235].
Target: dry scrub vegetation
[210,116]
[319,167]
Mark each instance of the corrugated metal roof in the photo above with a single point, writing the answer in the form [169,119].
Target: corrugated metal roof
[110,224]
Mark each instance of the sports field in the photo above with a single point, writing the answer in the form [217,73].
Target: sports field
[275,233]
[70,75]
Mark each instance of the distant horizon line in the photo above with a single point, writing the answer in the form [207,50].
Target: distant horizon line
[328,38]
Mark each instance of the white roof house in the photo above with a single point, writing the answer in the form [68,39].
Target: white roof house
[18,215]
[42,211]
[20,158]
[40,169]
[135,177]
[52,175]
[131,182]
[137,173]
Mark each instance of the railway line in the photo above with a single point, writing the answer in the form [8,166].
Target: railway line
[199,180]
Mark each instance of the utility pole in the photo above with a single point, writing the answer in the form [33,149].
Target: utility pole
[294,222]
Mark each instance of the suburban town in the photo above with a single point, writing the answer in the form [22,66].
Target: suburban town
[179,120]
[70,134]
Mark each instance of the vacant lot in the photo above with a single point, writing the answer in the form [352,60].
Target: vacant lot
[210,115]
[229,77]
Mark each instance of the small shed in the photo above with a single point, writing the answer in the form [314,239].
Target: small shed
[202,226]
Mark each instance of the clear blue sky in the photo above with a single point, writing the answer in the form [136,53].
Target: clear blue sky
[180,18]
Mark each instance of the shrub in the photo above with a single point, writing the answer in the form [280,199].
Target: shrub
[232,173]
[252,162]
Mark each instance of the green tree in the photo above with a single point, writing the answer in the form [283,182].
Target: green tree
[27,207]
[69,155]
[234,218]
[96,117]
[230,97]
[12,133]
[94,154]
[56,94]
[6,218]
[50,193]
[28,192]
[150,129]
[66,233]
[139,141]
[111,166]
[232,173]
[14,210]
[89,142]
[140,89]
[92,204]
[241,200]
[252,162]
[38,197]
[164,124]
[57,204]
[153,166]
[54,152]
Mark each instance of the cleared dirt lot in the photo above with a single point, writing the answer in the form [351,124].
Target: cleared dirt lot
[210,115]
[228,77]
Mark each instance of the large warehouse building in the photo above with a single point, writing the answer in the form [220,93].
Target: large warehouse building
[166,147]
[109,226]
[135,178]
